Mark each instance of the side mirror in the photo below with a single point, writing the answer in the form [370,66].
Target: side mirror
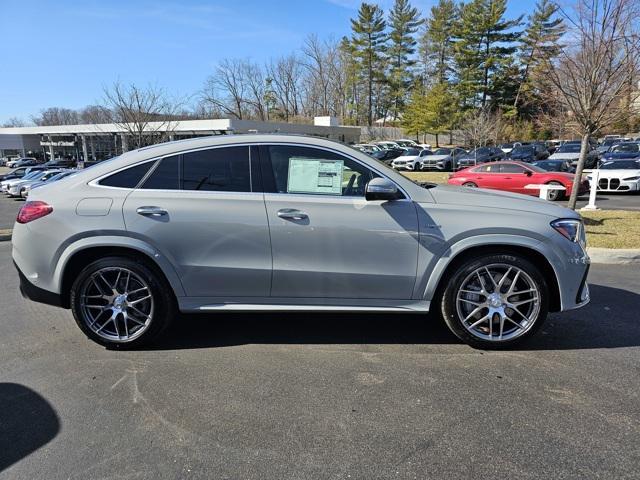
[528,173]
[381,189]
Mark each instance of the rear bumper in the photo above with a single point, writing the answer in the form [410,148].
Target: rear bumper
[37,294]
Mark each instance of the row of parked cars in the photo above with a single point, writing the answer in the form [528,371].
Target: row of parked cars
[21,180]
[514,166]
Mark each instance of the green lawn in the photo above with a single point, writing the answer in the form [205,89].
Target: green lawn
[435,177]
[612,228]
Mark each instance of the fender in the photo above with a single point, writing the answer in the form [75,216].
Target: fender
[430,279]
[117,241]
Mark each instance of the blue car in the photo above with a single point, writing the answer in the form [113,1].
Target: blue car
[623,151]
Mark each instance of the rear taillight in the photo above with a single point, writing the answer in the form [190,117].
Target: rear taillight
[31,211]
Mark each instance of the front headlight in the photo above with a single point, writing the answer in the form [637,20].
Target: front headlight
[570,228]
[631,179]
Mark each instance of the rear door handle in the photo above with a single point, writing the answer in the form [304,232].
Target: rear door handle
[151,211]
[292,214]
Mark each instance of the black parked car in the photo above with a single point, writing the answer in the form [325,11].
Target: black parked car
[529,153]
[60,163]
[480,155]
[387,156]
[555,165]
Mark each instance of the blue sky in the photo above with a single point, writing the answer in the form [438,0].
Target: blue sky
[62,52]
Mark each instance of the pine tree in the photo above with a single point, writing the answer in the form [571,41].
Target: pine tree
[437,40]
[369,42]
[404,21]
[485,46]
[414,119]
[540,44]
[440,109]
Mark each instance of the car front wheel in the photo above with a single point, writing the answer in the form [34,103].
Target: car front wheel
[495,301]
[118,302]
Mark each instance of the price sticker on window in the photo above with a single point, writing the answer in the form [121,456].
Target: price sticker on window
[310,175]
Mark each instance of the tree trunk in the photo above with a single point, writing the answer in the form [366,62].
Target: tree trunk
[437,145]
[584,148]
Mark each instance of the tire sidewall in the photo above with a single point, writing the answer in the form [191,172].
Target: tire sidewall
[448,301]
[164,304]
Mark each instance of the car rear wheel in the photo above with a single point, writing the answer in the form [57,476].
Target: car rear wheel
[121,303]
[495,301]
[470,185]
[555,195]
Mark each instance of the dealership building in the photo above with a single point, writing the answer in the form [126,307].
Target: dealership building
[93,142]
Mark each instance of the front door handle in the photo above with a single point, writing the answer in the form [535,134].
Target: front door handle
[292,214]
[151,211]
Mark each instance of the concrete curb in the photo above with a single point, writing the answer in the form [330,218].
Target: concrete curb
[5,234]
[625,256]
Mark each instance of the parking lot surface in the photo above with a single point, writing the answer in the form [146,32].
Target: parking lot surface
[322,396]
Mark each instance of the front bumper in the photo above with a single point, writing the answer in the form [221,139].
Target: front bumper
[403,166]
[618,185]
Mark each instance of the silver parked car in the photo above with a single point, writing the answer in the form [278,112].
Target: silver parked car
[277,222]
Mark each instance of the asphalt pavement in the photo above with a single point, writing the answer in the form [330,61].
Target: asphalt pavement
[322,396]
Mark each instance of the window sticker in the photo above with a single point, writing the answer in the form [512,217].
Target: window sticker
[310,175]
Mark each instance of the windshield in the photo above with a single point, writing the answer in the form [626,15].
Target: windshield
[506,145]
[549,165]
[442,151]
[570,148]
[621,165]
[31,175]
[626,147]
[525,150]
[410,152]
[535,168]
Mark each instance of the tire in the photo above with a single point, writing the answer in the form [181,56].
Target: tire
[109,305]
[470,185]
[556,195]
[526,311]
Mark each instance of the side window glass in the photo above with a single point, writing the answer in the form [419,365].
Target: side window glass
[128,178]
[305,170]
[224,169]
[511,168]
[165,176]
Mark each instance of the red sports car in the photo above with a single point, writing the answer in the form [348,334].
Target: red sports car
[514,177]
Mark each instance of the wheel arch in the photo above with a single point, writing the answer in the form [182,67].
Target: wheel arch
[75,259]
[446,267]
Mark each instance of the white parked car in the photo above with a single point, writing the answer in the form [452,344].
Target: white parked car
[387,145]
[403,142]
[425,146]
[618,176]
[410,159]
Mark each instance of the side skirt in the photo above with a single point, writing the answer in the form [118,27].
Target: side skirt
[198,304]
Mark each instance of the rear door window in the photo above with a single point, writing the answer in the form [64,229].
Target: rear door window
[166,175]
[224,169]
[127,178]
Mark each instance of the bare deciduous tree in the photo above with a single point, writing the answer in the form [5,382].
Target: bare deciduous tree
[147,115]
[596,67]
[226,88]
[481,127]
[56,116]
[14,122]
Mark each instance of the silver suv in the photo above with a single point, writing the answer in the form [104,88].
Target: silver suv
[265,222]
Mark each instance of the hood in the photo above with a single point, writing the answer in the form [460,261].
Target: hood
[619,173]
[565,156]
[436,157]
[522,155]
[406,158]
[620,155]
[498,200]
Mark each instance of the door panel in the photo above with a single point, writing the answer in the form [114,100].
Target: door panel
[343,247]
[218,242]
